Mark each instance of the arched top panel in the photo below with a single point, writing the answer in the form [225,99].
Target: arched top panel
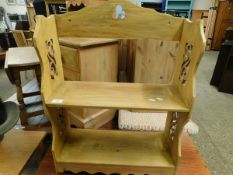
[138,23]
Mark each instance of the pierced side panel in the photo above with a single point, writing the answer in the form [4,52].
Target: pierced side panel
[47,46]
[175,123]
[138,23]
[192,47]
[59,129]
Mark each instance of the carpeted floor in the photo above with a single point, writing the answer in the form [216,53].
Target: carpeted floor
[213,112]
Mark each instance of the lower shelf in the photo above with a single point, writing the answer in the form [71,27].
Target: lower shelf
[99,150]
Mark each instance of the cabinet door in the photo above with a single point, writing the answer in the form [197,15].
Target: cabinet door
[223,21]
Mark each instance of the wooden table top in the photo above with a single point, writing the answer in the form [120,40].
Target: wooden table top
[16,148]
[21,56]
[191,163]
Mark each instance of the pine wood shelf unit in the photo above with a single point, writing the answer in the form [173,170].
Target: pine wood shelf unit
[121,152]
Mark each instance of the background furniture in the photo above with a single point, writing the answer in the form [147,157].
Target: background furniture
[223,72]
[179,8]
[209,30]
[17,60]
[22,38]
[224,20]
[89,59]
[19,38]
[31,16]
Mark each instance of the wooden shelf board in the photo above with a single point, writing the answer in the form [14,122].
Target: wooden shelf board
[119,148]
[117,95]
[77,42]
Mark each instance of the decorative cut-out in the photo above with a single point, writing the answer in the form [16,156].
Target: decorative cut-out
[51,58]
[173,127]
[74,5]
[186,63]
[119,12]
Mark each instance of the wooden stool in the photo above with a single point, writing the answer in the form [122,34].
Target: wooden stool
[22,59]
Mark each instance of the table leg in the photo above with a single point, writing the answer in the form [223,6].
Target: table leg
[19,92]
[38,74]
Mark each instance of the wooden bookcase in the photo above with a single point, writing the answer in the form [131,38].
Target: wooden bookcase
[121,152]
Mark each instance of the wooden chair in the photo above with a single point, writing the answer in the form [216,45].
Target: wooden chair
[19,38]
[118,151]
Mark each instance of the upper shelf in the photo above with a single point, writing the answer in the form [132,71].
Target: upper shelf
[117,95]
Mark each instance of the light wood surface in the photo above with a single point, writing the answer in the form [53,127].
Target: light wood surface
[22,56]
[16,148]
[31,17]
[98,22]
[105,66]
[76,42]
[155,61]
[115,150]
[176,97]
[89,59]
[191,162]
[19,38]
[189,55]
[117,95]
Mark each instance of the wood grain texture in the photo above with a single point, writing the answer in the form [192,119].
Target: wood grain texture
[191,162]
[19,38]
[224,19]
[16,149]
[155,61]
[175,97]
[193,38]
[99,63]
[45,34]
[117,95]
[114,151]
[89,59]
[98,22]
